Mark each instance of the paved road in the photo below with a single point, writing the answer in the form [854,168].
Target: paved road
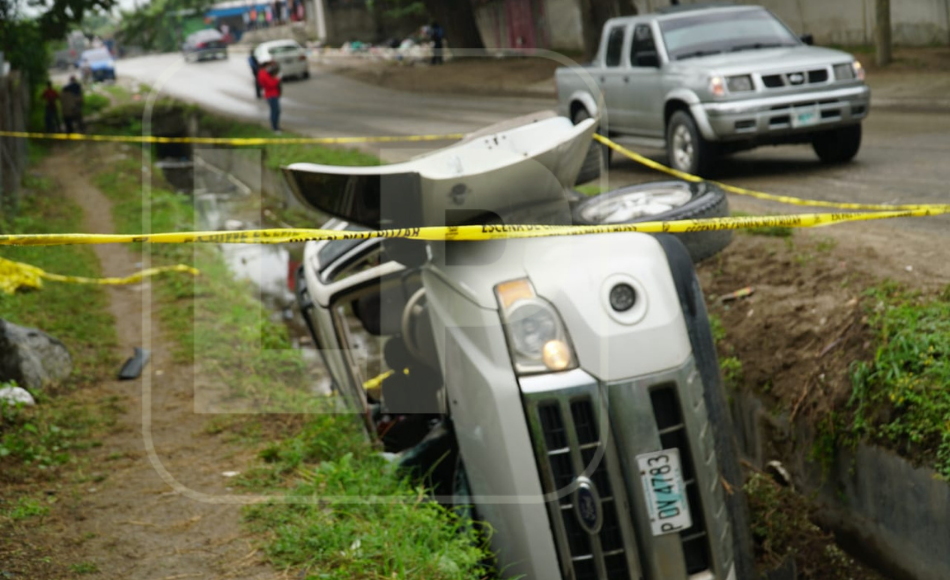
[904,158]
[325,104]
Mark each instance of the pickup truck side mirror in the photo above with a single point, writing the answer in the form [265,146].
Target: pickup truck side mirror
[808,39]
[648,59]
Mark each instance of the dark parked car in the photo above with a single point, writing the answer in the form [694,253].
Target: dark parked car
[204,44]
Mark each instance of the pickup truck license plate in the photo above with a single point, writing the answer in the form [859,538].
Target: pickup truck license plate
[664,491]
[805,117]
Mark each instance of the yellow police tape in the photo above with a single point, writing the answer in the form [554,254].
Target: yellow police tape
[465,233]
[230,140]
[759,194]
[15,275]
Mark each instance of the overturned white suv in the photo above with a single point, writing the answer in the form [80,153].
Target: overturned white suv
[566,388]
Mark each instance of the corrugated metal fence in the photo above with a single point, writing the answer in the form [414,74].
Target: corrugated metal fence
[14,112]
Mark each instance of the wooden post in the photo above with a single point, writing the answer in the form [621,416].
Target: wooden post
[882,32]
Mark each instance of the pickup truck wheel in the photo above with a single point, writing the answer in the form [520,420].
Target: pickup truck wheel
[686,148]
[662,201]
[838,145]
[598,156]
[691,301]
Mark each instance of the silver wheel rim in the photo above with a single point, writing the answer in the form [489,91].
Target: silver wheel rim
[635,205]
[682,148]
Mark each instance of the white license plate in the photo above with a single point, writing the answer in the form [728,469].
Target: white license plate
[664,492]
[805,117]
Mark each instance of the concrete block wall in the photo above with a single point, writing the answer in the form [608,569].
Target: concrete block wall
[852,22]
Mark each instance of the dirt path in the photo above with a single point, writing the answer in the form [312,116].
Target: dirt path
[132,524]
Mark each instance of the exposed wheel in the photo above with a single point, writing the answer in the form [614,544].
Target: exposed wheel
[686,148]
[663,201]
[598,156]
[724,440]
[838,145]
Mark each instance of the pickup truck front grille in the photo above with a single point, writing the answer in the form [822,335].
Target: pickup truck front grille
[795,78]
[573,447]
[672,429]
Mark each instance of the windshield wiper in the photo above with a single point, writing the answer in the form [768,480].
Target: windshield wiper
[757,45]
[696,53]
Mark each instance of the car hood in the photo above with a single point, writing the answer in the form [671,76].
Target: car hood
[101,64]
[764,60]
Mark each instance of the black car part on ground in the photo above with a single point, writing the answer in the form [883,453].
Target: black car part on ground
[598,155]
[727,450]
[705,200]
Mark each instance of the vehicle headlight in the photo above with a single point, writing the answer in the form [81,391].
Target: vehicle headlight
[716,87]
[844,72]
[537,339]
[739,84]
[849,71]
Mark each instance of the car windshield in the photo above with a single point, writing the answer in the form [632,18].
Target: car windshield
[96,55]
[283,49]
[724,31]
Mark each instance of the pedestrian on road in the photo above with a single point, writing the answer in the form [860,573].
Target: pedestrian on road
[268,77]
[51,113]
[438,36]
[255,68]
[72,100]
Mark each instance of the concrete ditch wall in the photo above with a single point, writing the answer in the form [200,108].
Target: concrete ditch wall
[883,509]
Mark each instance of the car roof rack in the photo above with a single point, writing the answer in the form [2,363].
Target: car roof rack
[676,8]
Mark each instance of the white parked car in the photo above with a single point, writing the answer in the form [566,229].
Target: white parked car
[291,57]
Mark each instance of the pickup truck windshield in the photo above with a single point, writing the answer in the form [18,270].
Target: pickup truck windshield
[725,31]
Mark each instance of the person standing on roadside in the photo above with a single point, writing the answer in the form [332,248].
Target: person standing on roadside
[268,77]
[438,36]
[51,113]
[255,69]
[72,101]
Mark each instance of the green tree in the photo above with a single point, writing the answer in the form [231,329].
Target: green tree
[160,24]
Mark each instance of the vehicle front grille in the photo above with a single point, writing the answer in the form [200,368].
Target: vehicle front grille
[671,426]
[795,78]
[573,447]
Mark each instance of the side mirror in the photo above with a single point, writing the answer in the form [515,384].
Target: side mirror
[808,39]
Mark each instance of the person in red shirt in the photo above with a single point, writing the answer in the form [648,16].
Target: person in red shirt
[50,96]
[268,77]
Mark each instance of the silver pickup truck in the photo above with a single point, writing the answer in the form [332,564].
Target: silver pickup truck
[707,81]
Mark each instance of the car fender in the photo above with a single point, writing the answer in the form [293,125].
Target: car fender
[586,100]
[696,109]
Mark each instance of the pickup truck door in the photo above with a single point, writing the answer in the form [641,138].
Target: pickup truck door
[611,80]
[643,85]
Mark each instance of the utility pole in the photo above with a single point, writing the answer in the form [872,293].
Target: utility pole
[882,33]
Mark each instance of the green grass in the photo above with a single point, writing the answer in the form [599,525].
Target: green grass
[84,568]
[26,508]
[900,398]
[94,103]
[75,314]
[214,320]
[729,366]
[590,189]
[331,534]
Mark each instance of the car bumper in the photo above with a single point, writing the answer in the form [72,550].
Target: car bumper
[787,115]
[639,425]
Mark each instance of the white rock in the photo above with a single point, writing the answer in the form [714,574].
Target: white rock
[16,395]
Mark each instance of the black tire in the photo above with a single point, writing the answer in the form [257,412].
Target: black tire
[705,200]
[598,156]
[306,75]
[697,153]
[838,145]
[704,350]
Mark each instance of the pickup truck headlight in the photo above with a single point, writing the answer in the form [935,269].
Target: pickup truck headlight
[537,339]
[716,86]
[739,84]
[849,71]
